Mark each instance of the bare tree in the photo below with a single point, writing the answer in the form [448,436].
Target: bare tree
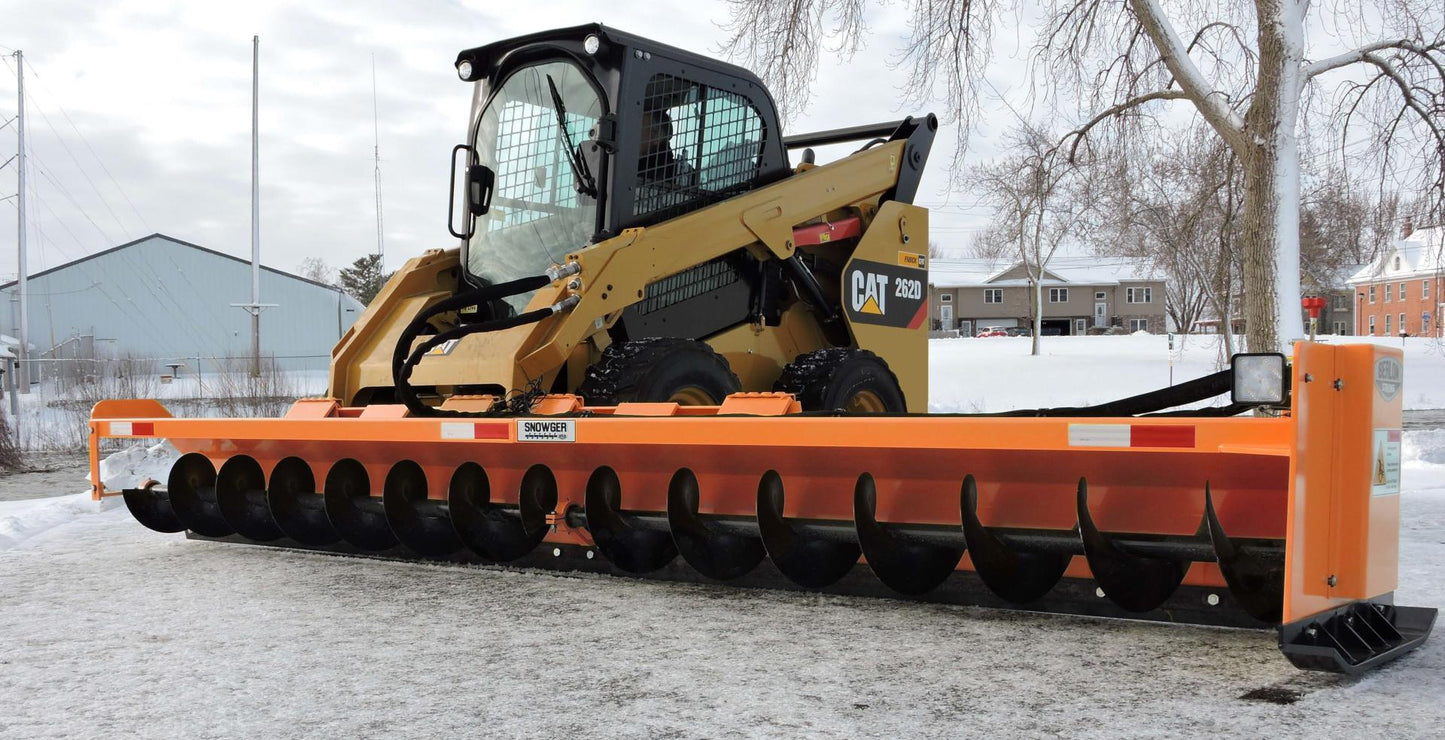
[1038,200]
[1245,67]
[1175,206]
[315,268]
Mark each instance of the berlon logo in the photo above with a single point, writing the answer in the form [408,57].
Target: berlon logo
[1389,377]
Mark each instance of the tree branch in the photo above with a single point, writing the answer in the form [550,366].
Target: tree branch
[1362,55]
[1082,132]
[1209,101]
[1411,101]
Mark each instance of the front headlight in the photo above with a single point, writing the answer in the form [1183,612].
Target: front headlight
[1259,378]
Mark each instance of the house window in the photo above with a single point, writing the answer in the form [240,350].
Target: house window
[1372,326]
[1389,288]
[1425,289]
[1387,325]
[1058,295]
[1402,291]
[1100,295]
[1139,324]
[1372,294]
[993,295]
[1339,328]
[1081,326]
[1397,262]
[1141,295]
[1403,327]
[1341,302]
[945,298]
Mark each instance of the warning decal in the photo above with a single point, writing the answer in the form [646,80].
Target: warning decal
[913,259]
[1385,467]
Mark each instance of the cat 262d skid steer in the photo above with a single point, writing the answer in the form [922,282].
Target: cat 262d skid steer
[664,350]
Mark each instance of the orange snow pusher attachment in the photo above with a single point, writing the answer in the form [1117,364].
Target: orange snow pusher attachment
[1288,520]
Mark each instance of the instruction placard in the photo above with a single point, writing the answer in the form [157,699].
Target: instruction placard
[1385,469]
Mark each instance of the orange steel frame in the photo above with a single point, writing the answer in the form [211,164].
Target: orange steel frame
[1302,477]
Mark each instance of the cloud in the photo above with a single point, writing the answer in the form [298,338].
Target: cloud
[161,93]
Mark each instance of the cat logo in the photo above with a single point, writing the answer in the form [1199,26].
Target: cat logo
[870,293]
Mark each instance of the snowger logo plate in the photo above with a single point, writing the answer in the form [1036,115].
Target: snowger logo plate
[887,295]
[546,430]
[1389,376]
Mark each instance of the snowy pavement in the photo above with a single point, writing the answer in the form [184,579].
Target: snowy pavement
[109,628]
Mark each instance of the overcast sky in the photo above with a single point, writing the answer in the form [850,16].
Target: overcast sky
[139,116]
[160,93]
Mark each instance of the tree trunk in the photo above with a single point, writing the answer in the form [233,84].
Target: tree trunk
[1038,327]
[1270,239]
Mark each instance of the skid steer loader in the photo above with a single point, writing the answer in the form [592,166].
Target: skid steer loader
[662,350]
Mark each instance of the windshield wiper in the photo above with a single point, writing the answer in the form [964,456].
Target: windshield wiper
[586,184]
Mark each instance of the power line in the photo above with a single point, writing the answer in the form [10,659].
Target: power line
[45,172]
[91,149]
[83,171]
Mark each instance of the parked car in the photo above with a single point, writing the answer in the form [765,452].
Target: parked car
[1020,331]
[992,331]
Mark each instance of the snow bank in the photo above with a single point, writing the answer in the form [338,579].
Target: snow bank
[1423,447]
[137,463]
[971,375]
[21,520]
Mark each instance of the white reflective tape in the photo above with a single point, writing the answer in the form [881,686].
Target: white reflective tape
[1098,435]
[120,428]
[458,430]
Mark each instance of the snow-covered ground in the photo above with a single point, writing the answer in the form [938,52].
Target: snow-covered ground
[108,628]
[976,375]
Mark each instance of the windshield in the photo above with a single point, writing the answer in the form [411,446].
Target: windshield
[537,215]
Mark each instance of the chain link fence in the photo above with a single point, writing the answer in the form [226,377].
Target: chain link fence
[63,390]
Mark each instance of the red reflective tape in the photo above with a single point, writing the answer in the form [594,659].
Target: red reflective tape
[1160,436]
[142,429]
[490,430]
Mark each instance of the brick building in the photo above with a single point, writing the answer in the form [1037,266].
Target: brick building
[1400,293]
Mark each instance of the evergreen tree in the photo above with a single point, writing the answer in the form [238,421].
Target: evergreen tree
[363,279]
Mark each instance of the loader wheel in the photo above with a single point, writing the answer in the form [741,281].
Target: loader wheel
[842,379]
[682,371]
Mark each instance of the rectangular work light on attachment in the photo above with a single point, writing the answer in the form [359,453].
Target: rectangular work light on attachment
[1260,379]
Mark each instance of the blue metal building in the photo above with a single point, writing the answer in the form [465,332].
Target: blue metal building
[163,299]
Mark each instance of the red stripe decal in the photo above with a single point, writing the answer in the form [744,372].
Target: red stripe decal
[919,317]
[1160,436]
[489,431]
[142,429]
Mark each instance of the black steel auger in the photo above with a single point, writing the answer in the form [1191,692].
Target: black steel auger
[1139,573]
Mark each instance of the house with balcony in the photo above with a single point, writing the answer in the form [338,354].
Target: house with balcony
[968,295]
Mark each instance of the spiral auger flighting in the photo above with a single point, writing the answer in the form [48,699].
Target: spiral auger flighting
[1205,520]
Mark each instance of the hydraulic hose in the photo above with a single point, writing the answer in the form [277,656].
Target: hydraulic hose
[404,358]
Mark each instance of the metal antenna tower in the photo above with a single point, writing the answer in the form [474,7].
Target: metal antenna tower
[376,153]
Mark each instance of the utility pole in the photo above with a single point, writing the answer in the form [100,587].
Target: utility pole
[255,307]
[23,286]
